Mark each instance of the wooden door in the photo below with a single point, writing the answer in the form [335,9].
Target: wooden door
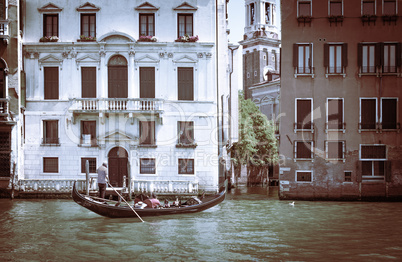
[117,75]
[118,160]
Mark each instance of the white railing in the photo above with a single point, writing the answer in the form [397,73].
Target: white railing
[116,104]
[138,186]
[3,28]
[165,187]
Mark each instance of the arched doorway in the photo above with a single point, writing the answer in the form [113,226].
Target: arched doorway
[118,159]
[117,77]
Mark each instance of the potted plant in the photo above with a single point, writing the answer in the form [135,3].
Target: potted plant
[187,38]
[49,39]
[147,38]
[84,38]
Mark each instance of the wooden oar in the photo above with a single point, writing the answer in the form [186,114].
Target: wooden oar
[125,201]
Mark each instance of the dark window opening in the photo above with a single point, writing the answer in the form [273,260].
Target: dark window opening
[304,114]
[50,165]
[147,133]
[88,25]
[88,82]
[185,25]
[147,166]
[92,165]
[50,132]
[51,75]
[389,113]
[147,25]
[368,113]
[185,83]
[335,114]
[186,166]
[304,176]
[50,25]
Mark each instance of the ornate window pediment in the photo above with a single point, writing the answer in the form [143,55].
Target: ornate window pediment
[50,60]
[146,7]
[117,136]
[88,7]
[87,60]
[50,7]
[185,59]
[185,7]
[147,59]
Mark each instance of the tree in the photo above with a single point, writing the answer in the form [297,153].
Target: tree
[257,145]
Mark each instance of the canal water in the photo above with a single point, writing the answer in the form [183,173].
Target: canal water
[250,225]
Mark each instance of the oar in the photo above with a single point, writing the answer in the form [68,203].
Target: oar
[125,201]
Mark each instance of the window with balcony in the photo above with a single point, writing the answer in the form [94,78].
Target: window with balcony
[391,57]
[368,113]
[373,161]
[50,132]
[147,133]
[50,25]
[88,26]
[335,114]
[304,8]
[88,133]
[186,166]
[185,133]
[335,58]
[304,176]
[147,166]
[389,114]
[185,77]
[147,82]
[367,61]
[389,7]
[335,8]
[147,25]
[91,162]
[88,82]
[335,150]
[51,79]
[303,150]
[368,7]
[302,59]
[304,114]
[50,165]
[184,25]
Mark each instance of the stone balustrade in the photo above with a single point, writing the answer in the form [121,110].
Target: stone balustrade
[165,187]
[116,105]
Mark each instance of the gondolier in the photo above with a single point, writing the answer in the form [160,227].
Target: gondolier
[102,176]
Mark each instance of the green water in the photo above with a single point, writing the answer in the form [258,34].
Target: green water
[250,225]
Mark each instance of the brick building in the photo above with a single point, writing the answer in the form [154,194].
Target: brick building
[341,88]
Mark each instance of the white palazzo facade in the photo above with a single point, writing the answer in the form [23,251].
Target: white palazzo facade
[152,106]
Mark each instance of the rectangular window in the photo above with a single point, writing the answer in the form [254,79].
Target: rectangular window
[51,75]
[335,8]
[335,113]
[304,113]
[88,25]
[186,132]
[368,55]
[389,7]
[373,152]
[372,169]
[50,132]
[147,166]
[303,150]
[185,83]
[390,58]
[92,165]
[335,57]
[147,133]
[304,8]
[368,7]
[304,176]
[147,25]
[50,165]
[3,10]
[302,58]
[50,25]
[147,82]
[368,113]
[185,25]
[252,14]
[88,82]
[186,166]
[348,176]
[335,150]
[88,132]
[389,113]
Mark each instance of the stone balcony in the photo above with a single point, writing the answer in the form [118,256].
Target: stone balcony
[4,32]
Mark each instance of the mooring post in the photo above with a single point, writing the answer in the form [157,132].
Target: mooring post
[87,176]
[129,181]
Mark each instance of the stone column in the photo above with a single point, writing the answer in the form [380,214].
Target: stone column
[132,90]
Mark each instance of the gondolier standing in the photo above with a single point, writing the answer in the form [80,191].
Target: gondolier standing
[102,176]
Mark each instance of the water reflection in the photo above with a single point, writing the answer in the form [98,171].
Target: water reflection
[250,225]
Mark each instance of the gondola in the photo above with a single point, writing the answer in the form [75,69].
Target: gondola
[124,211]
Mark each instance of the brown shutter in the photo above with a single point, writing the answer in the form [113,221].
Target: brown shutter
[88,82]
[185,83]
[359,54]
[388,171]
[51,82]
[398,54]
[358,171]
[147,82]
[295,54]
[379,54]
[344,54]
[326,55]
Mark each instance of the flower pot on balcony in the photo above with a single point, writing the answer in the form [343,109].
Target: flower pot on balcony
[86,39]
[369,18]
[186,38]
[49,39]
[304,20]
[389,18]
[147,38]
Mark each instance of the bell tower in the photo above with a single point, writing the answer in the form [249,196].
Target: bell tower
[261,42]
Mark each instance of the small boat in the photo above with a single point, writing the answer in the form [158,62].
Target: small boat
[101,207]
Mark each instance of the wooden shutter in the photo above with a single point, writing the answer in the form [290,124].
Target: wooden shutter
[379,54]
[326,55]
[88,82]
[359,54]
[398,54]
[295,54]
[51,82]
[368,113]
[344,54]
[147,82]
[358,171]
[185,83]
[388,171]
[389,113]
[303,114]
